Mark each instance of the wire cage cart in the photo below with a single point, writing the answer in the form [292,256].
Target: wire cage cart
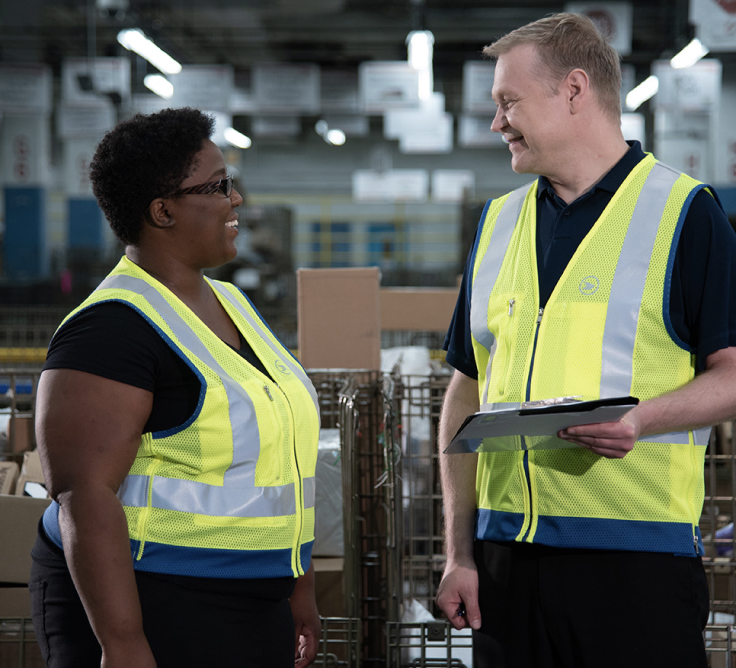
[416,634]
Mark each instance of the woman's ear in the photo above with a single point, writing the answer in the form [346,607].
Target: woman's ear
[158,214]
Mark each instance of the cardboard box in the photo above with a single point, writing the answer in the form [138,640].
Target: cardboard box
[31,481]
[8,477]
[329,589]
[339,318]
[417,309]
[19,517]
[21,437]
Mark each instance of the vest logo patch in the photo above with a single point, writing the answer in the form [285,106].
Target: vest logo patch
[589,285]
[282,367]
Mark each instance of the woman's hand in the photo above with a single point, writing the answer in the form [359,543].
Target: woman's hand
[307,623]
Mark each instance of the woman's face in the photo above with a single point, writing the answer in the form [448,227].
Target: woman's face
[206,224]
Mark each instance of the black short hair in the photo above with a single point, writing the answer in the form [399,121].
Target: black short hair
[142,158]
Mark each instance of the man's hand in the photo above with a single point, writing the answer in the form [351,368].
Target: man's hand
[457,597]
[607,439]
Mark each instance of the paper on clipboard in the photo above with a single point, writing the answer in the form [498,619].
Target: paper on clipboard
[499,430]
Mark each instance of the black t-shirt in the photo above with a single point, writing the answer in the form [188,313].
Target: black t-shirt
[702,305]
[113,340]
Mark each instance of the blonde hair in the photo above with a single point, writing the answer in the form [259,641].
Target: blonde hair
[565,42]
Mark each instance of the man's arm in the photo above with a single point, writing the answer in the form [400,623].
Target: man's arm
[710,398]
[459,586]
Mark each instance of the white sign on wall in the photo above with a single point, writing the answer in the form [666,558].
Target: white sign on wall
[203,87]
[93,119]
[386,85]
[395,185]
[716,23]
[452,185]
[25,88]
[25,154]
[82,79]
[433,135]
[286,88]
[613,20]
[477,87]
[690,90]
[475,132]
[78,155]
[687,155]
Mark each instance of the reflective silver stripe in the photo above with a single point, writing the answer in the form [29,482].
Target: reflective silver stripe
[627,287]
[700,437]
[490,267]
[293,366]
[309,492]
[238,496]
[501,406]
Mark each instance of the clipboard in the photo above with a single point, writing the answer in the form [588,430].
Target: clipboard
[499,430]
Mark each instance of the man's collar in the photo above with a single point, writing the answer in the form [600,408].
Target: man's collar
[612,180]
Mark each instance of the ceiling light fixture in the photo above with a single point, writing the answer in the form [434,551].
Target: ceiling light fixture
[335,137]
[135,40]
[690,55]
[646,89]
[238,139]
[420,48]
[159,85]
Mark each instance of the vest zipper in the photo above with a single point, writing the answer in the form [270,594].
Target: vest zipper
[268,392]
[523,441]
[300,493]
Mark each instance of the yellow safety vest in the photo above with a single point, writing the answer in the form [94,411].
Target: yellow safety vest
[605,332]
[230,493]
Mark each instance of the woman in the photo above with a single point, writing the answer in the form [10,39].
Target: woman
[178,437]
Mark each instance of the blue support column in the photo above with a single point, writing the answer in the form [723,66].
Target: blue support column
[85,224]
[24,239]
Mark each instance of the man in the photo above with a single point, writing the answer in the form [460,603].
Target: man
[610,275]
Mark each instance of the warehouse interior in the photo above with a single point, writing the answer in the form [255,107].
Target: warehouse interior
[333,181]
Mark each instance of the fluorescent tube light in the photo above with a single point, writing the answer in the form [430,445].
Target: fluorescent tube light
[642,93]
[690,55]
[159,85]
[420,47]
[135,40]
[232,136]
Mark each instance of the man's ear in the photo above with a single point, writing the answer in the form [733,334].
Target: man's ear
[577,87]
[158,214]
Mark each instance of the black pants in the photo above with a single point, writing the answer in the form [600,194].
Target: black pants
[543,607]
[189,622]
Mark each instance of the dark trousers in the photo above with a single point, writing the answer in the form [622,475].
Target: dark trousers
[189,622]
[543,607]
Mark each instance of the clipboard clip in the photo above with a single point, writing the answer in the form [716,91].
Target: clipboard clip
[540,403]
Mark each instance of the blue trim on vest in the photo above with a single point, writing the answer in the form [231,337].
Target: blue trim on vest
[497,525]
[178,351]
[593,533]
[51,524]
[671,264]
[476,242]
[212,563]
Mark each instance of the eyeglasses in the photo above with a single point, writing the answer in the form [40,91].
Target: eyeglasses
[224,185]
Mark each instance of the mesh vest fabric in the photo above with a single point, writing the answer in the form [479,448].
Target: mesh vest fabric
[230,493]
[580,346]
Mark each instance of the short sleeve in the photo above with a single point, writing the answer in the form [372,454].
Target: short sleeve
[110,340]
[458,341]
[703,296]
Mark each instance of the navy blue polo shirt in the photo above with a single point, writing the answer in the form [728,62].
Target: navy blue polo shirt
[702,304]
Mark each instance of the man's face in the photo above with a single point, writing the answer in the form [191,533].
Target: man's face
[531,120]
